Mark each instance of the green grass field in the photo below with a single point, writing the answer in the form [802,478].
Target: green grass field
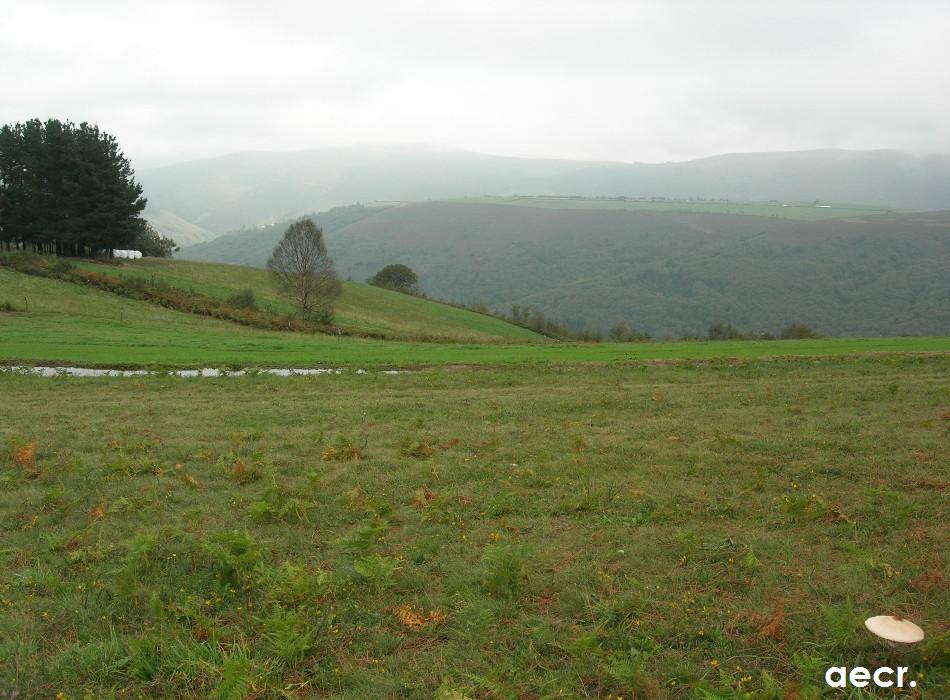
[799,211]
[689,531]
[361,308]
[690,520]
[59,322]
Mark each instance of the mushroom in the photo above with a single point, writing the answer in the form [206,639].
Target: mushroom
[894,629]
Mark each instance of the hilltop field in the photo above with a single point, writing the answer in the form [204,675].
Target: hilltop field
[505,517]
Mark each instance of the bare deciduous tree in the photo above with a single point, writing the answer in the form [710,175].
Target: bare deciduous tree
[303,272]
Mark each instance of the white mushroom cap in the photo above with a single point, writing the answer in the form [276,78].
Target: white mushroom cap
[894,629]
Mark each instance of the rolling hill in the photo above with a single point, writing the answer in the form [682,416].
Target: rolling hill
[252,246]
[51,321]
[360,309]
[666,272]
[253,188]
[183,232]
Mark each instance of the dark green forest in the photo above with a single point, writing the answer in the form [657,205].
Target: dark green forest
[253,245]
[67,189]
[668,274]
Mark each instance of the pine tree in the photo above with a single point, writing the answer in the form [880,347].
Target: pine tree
[66,189]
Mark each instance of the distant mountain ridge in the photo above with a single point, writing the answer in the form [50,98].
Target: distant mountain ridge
[254,188]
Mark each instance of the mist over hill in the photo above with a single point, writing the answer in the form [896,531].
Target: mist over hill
[595,262]
[253,188]
[669,273]
[252,246]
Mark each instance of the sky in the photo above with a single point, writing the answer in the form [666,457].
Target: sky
[585,79]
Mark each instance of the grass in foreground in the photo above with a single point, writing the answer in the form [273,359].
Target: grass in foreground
[58,322]
[646,531]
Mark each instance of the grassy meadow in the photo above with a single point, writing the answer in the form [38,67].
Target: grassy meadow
[506,519]
[360,309]
[60,322]
[635,530]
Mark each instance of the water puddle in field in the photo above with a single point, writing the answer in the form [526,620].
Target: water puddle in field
[186,373]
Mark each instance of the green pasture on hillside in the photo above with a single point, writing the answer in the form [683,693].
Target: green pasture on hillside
[652,531]
[60,322]
[361,307]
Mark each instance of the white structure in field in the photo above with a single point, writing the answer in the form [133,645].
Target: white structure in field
[128,254]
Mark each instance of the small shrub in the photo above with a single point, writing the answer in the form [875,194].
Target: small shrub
[291,584]
[628,669]
[724,331]
[399,278]
[288,635]
[244,299]
[362,536]
[232,557]
[35,264]
[237,676]
[798,331]
[144,659]
[504,568]
[842,624]
[61,267]
[136,562]
[342,450]
[621,333]
[376,569]
[796,507]
[277,505]
[242,474]
[420,449]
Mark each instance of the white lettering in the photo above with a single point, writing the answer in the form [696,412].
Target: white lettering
[859,676]
[883,671]
[835,677]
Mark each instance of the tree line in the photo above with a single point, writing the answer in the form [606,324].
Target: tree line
[67,189]
[723,330]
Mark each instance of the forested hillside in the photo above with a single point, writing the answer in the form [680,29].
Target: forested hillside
[668,273]
[252,246]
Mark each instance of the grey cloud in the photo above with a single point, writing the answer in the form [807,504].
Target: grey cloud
[597,79]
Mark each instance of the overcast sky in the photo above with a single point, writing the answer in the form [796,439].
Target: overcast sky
[633,81]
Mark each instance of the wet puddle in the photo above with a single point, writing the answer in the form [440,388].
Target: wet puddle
[42,371]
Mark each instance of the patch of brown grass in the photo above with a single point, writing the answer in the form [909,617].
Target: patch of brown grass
[424,497]
[413,617]
[192,481]
[97,512]
[341,454]
[773,628]
[928,483]
[24,455]
[929,581]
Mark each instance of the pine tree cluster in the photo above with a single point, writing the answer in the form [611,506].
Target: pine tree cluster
[66,189]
